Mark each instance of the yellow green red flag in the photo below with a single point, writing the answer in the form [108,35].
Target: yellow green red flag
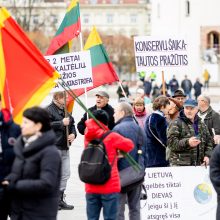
[102,69]
[69,28]
[26,77]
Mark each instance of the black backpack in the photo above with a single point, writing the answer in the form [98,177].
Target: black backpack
[94,167]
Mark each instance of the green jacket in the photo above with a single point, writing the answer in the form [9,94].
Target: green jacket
[179,132]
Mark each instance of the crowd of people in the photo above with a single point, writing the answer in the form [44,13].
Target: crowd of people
[151,88]
[175,130]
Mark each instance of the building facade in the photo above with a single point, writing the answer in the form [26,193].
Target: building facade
[199,23]
[112,17]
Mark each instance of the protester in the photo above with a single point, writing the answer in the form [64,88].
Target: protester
[120,93]
[102,99]
[60,123]
[210,117]
[188,138]
[127,127]
[215,175]
[173,85]
[140,113]
[153,76]
[9,131]
[198,88]
[174,109]
[155,128]
[206,77]
[147,87]
[105,196]
[186,85]
[142,75]
[35,177]
[180,97]
[156,91]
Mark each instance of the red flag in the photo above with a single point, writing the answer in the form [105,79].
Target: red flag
[26,77]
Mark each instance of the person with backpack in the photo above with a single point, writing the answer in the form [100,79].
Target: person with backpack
[105,195]
[128,127]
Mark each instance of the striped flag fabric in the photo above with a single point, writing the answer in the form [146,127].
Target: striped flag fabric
[26,77]
[102,69]
[69,28]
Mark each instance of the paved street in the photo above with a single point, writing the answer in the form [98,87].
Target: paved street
[75,190]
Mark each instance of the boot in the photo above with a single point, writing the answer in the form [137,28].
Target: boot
[62,204]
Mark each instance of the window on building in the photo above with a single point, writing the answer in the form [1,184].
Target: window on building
[110,18]
[133,18]
[93,2]
[158,10]
[149,18]
[35,19]
[54,19]
[114,1]
[213,40]
[187,8]
[86,19]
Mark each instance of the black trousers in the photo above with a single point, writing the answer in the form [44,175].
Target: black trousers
[4,204]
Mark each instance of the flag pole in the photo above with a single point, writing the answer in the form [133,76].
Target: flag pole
[65,115]
[163,84]
[85,91]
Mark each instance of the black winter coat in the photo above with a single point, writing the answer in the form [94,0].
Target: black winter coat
[215,175]
[212,120]
[56,117]
[108,108]
[9,131]
[35,179]
[198,88]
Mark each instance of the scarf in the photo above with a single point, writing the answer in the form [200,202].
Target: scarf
[29,139]
[202,115]
[140,114]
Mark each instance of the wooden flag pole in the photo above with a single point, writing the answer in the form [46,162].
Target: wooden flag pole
[163,84]
[66,115]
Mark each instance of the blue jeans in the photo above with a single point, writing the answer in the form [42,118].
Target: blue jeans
[95,202]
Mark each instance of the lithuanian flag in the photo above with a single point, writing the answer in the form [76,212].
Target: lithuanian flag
[26,77]
[69,28]
[102,69]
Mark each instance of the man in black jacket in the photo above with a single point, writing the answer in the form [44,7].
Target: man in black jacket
[210,117]
[215,175]
[8,132]
[60,123]
[102,99]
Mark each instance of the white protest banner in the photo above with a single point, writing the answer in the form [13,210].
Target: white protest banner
[153,53]
[183,193]
[74,68]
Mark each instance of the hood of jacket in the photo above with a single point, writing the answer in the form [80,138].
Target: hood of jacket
[93,130]
[47,139]
[5,117]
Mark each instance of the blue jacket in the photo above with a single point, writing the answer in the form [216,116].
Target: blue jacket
[156,153]
[9,132]
[128,128]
